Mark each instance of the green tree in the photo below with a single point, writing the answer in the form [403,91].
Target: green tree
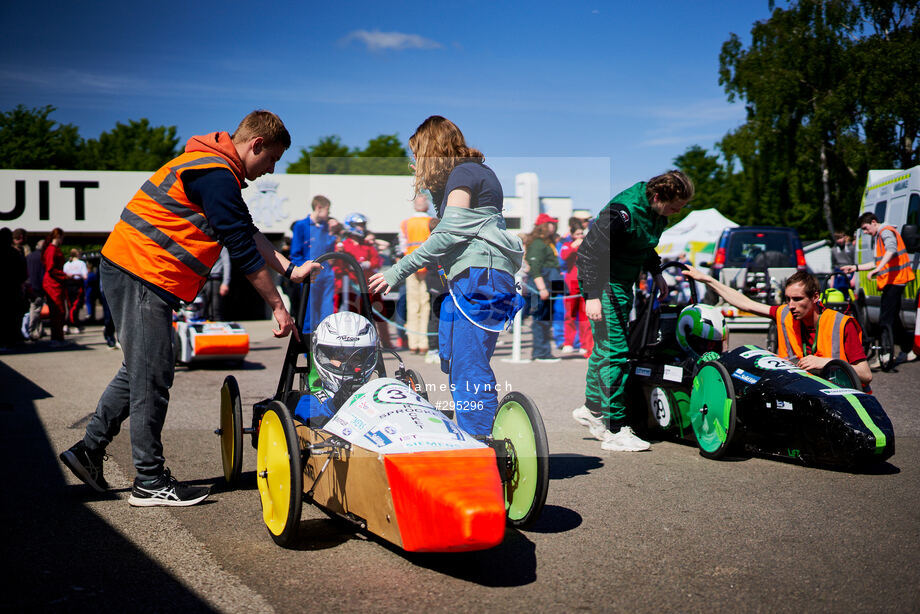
[328,156]
[887,74]
[29,139]
[135,146]
[794,79]
[384,155]
[712,179]
[831,89]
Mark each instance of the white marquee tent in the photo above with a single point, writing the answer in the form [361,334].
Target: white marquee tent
[695,235]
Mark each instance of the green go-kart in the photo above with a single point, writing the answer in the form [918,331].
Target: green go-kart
[750,400]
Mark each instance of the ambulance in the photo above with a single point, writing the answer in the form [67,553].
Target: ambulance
[894,197]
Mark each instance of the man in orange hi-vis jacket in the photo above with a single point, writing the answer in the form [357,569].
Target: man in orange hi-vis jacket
[808,334]
[160,253]
[892,269]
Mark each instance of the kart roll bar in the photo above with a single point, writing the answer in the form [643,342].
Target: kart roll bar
[300,347]
[644,319]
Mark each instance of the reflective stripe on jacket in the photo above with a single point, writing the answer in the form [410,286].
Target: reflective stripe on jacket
[898,271]
[830,334]
[164,238]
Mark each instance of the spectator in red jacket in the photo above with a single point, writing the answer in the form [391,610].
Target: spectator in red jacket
[360,245]
[55,283]
[575,316]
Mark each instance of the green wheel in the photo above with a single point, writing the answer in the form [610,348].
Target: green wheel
[841,373]
[279,475]
[525,454]
[231,430]
[712,409]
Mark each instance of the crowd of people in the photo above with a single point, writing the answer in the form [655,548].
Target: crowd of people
[553,300]
[42,285]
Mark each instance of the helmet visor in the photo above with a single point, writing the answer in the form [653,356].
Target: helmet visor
[346,360]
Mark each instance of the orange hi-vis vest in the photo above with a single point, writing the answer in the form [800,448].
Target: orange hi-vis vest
[163,237]
[898,271]
[416,231]
[829,334]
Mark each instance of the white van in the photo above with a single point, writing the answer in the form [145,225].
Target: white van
[894,197]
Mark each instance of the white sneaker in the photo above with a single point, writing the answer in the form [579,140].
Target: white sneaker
[432,357]
[595,424]
[624,441]
[911,356]
[567,349]
[874,363]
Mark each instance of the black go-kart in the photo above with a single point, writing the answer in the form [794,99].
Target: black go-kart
[750,400]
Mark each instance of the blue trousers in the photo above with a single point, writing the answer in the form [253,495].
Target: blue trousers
[490,298]
[320,303]
[466,351]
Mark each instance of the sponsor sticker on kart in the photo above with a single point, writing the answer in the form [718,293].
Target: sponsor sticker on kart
[673,374]
[835,392]
[744,376]
[392,418]
[643,372]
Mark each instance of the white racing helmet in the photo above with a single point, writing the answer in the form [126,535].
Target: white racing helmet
[344,347]
[700,329]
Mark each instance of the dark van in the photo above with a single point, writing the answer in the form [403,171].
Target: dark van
[776,251]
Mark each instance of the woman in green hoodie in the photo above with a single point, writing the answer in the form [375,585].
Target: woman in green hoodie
[477,257]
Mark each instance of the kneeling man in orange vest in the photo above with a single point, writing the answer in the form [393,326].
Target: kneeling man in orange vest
[805,330]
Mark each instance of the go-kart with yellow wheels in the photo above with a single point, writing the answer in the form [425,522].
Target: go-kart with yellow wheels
[388,461]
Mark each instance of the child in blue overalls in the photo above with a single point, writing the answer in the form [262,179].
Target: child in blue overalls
[344,355]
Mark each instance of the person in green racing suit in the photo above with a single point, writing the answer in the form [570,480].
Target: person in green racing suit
[618,247]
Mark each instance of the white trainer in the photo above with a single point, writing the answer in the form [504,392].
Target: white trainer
[625,440]
[595,424]
[567,349]
[911,356]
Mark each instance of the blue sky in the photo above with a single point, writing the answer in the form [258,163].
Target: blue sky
[593,96]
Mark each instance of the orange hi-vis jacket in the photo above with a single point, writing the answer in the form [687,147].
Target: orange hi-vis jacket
[898,271]
[163,237]
[416,231]
[829,334]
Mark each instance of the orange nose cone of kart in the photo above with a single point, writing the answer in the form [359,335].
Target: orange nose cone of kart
[447,501]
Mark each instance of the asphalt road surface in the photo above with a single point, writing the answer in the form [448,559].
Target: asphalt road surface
[661,530]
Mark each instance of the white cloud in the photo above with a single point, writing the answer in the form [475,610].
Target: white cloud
[381,41]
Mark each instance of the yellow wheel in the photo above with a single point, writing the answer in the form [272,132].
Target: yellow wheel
[231,430]
[279,475]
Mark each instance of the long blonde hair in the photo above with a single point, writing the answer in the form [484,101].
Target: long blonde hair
[438,146]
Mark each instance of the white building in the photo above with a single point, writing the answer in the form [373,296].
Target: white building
[88,203]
